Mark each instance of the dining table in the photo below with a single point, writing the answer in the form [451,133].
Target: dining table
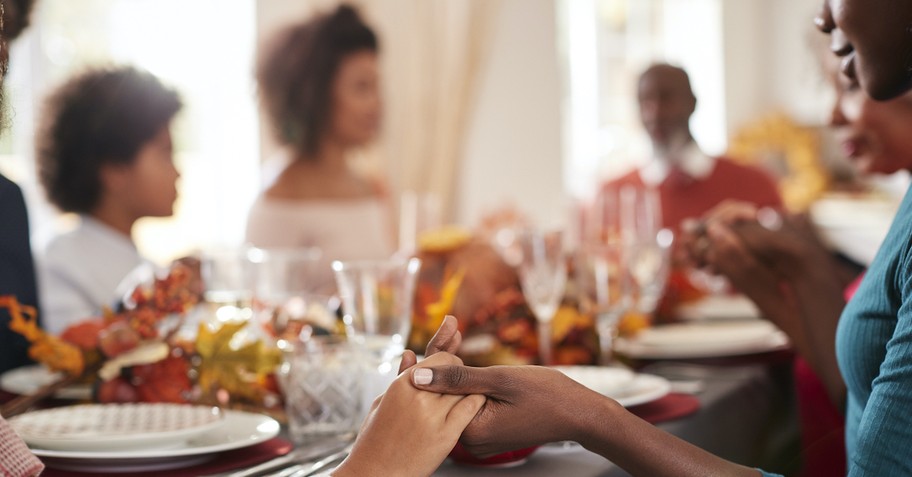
[741,408]
[746,414]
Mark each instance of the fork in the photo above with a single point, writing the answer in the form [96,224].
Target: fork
[290,459]
[311,468]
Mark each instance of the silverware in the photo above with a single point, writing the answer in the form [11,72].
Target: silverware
[290,459]
[311,468]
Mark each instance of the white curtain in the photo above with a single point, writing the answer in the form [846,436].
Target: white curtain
[433,55]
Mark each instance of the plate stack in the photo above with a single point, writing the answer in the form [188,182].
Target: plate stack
[108,438]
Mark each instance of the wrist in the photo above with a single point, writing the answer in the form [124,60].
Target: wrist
[594,422]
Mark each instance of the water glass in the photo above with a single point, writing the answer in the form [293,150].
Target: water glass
[377,297]
[228,283]
[322,380]
[287,291]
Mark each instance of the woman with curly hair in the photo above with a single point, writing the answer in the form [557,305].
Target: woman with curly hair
[104,152]
[319,86]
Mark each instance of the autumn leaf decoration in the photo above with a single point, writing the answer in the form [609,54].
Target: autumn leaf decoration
[438,310]
[56,354]
[233,368]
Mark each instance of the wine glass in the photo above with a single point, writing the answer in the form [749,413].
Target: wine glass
[543,276]
[647,246]
[604,290]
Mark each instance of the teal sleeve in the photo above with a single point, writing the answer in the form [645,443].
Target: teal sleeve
[767,474]
[884,434]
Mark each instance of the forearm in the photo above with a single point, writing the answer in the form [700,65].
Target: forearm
[819,296]
[777,303]
[642,449]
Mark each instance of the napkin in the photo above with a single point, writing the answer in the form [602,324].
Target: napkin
[672,406]
[15,457]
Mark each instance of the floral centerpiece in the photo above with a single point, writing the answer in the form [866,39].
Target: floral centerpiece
[463,275]
[137,354]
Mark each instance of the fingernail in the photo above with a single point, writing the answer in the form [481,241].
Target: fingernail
[422,376]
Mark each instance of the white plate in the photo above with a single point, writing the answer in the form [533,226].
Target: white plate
[638,389]
[603,380]
[720,307]
[27,380]
[644,388]
[91,427]
[703,340]
[854,225]
[239,429]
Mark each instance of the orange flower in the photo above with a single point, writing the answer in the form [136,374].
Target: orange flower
[83,334]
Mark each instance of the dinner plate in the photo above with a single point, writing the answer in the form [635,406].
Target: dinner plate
[28,379]
[644,388]
[90,427]
[622,385]
[703,340]
[239,429]
[854,225]
[603,380]
[719,307]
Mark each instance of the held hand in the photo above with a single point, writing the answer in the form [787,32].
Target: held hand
[448,338]
[693,242]
[409,432]
[729,256]
[788,244]
[526,405]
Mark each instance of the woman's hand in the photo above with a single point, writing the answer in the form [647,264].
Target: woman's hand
[526,405]
[533,405]
[447,338]
[409,432]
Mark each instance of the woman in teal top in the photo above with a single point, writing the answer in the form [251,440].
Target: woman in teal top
[874,349]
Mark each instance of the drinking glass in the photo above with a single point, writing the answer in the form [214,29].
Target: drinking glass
[647,246]
[543,276]
[228,283]
[418,213]
[286,289]
[377,297]
[601,222]
[322,379]
[604,290]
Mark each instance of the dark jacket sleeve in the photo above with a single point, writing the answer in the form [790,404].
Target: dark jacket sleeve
[17,270]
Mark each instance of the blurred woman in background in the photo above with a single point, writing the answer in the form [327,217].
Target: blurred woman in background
[319,86]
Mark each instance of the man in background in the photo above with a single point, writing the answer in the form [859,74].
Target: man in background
[689,181]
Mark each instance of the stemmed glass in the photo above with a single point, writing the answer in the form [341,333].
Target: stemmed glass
[543,276]
[602,273]
[604,290]
[647,246]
